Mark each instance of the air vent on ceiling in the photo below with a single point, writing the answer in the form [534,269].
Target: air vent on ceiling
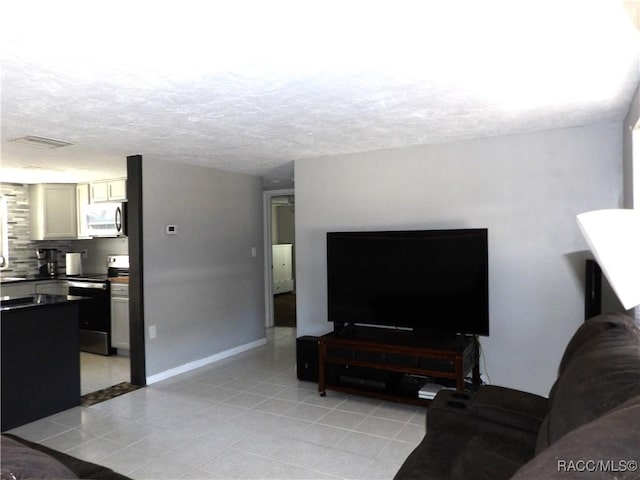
[40,142]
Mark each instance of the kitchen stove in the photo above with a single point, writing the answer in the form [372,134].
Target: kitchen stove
[95,314]
[118,266]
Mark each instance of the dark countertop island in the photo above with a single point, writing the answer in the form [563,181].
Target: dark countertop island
[35,300]
[8,279]
[29,278]
[40,355]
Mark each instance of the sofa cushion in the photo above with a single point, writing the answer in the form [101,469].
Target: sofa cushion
[613,439]
[602,373]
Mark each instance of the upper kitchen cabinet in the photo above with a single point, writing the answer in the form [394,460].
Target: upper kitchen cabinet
[82,200]
[53,213]
[108,191]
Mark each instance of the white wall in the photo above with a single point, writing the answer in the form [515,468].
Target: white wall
[203,290]
[632,154]
[526,189]
[631,136]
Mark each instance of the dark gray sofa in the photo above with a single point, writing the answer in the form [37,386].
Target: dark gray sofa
[589,427]
[22,459]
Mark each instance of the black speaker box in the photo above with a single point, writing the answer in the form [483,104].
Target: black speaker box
[593,290]
[307,358]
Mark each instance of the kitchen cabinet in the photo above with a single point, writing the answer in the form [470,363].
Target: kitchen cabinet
[117,190]
[99,192]
[108,191]
[82,200]
[39,363]
[53,212]
[282,268]
[120,316]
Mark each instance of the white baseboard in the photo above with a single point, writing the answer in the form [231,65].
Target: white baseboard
[204,361]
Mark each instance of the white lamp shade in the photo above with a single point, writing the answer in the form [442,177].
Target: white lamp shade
[614,239]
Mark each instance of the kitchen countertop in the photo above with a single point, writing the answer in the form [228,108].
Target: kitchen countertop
[32,278]
[26,278]
[35,300]
[124,280]
[36,278]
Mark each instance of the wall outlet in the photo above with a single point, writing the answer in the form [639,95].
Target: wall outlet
[153,332]
[84,254]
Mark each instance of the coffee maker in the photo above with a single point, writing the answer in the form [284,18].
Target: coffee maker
[47,261]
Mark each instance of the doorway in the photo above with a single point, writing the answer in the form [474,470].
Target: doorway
[279,206]
[135,304]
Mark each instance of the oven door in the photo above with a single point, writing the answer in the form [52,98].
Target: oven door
[95,316]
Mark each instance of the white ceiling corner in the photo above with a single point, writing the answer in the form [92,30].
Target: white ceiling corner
[252,86]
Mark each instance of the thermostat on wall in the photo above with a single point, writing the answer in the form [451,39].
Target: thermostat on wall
[170,229]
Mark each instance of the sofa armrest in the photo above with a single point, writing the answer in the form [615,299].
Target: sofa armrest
[514,408]
[20,461]
[447,409]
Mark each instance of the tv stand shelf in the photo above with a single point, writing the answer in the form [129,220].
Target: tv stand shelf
[388,364]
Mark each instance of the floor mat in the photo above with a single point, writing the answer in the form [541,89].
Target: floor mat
[107,393]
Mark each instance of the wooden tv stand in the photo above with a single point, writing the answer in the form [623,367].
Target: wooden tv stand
[389,364]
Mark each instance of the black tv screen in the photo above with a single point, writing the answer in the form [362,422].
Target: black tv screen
[431,280]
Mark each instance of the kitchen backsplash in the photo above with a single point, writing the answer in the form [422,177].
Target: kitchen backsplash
[22,250]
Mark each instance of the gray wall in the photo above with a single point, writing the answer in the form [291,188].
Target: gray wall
[526,189]
[203,290]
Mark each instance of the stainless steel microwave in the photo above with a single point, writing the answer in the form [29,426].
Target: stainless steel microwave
[104,220]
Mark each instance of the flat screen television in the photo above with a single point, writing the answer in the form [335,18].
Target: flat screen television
[426,280]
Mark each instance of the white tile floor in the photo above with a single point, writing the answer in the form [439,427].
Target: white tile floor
[99,371]
[246,417]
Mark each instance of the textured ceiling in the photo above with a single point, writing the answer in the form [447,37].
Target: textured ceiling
[251,86]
